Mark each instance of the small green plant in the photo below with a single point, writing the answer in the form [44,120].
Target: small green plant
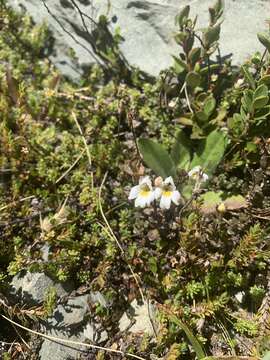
[50,301]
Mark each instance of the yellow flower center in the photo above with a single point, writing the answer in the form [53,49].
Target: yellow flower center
[144,190]
[167,193]
[195,175]
[167,190]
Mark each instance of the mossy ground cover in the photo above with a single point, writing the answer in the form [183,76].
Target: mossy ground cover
[70,153]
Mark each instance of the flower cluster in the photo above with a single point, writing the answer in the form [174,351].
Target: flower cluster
[164,191]
[197,174]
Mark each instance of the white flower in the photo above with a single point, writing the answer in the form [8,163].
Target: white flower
[239,83]
[142,193]
[197,174]
[167,193]
[239,296]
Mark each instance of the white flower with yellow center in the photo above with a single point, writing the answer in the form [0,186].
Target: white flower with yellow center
[142,193]
[167,193]
[197,174]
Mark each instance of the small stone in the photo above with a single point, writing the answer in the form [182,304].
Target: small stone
[94,334]
[70,314]
[32,288]
[139,314]
[70,321]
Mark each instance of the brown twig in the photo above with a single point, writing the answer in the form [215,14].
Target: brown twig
[70,34]
[86,148]
[131,118]
[25,219]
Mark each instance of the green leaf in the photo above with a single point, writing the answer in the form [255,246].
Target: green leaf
[248,77]
[180,37]
[197,347]
[260,97]
[262,113]
[212,68]
[265,40]
[156,157]
[219,6]
[261,90]
[265,80]
[222,113]
[209,106]
[247,101]
[236,124]
[188,43]
[193,79]
[210,151]
[179,65]
[260,102]
[181,150]
[210,200]
[187,191]
[256,59]
[194,55]
[184,13]
[211,35]
[184,121]
[216,11]
[235,202]
[201,116]
[152,263]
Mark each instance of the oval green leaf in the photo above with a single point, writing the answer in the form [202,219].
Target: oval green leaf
[210,151]
[261,90]
[209,106]
[248,77]
[265,40]
[181,150]
[156,157]
[211,35]
[193,79]
[184,13]
[194,55]
[260,102]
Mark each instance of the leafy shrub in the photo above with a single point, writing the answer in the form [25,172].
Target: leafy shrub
[71,152]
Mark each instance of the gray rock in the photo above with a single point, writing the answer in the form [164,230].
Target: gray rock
[137,320]
[90,332]
[70,314]
[53,350]
[45,252]
[147,27]
[97,297]
[32,288]
[69,321]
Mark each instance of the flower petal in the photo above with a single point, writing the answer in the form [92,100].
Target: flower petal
[150,198]
[195,171]
[205,177]
[176,197]
[165,202]
[169,180]
[157,192]
[140,201]
[146,180]
[134,192]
